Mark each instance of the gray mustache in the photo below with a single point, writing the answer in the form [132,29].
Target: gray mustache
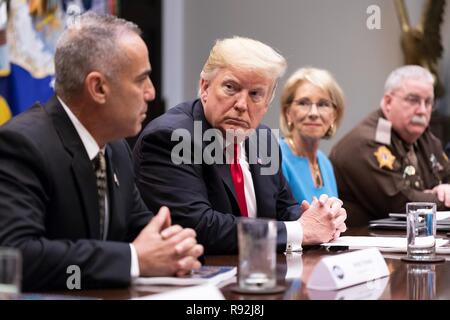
[420,120]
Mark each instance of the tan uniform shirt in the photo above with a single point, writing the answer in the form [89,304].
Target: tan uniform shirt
[378,173]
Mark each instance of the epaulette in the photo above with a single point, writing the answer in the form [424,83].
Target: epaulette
[383,132]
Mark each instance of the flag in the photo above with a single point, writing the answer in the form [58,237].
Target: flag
[25,89]
[28,36]
[32,32]
[5,111]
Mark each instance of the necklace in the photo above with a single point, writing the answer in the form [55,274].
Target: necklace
[314,167]
[318,182]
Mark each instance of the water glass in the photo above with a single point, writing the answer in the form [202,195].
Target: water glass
[421,230]
[257,254]
[10,273]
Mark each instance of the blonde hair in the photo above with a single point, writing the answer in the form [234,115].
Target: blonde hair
[244,53]
[320,78]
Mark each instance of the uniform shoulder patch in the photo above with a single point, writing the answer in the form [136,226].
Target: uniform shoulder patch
[384,157]
[383,132]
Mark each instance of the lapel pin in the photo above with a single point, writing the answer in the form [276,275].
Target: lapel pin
[409,171]
[116,181]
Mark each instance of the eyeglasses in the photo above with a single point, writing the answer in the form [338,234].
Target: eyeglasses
[305,105]
[415,101]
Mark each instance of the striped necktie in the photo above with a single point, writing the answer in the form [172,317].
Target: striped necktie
[99,163]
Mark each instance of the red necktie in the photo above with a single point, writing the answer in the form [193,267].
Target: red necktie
[238,181]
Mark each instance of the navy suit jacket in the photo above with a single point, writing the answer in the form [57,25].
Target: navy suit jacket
[202,196]
[49,207]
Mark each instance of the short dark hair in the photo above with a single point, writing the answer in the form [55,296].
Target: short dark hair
[89,43]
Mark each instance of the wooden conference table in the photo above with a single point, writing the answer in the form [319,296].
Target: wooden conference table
[406,280]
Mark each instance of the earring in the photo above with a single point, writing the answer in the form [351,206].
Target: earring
[331,131]
[289,125]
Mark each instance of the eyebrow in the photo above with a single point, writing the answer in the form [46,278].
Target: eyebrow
[415,95]
[230,79]
[319,100]
[235,81]
[146,73]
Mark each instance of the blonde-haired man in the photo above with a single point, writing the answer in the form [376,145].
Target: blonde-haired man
[208,191]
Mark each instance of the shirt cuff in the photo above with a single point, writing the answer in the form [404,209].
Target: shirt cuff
[135,272]
[294,231]
[294,264]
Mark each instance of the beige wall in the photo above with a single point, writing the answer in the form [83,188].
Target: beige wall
[329,34]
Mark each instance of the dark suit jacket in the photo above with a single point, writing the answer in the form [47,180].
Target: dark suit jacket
[49,206]
[202,196]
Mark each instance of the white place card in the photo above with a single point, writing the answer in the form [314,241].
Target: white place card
[348,269]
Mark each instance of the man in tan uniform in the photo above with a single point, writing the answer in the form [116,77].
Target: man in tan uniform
[391,157]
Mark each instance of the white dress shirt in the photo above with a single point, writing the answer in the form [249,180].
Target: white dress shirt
[92,149]
[294,229]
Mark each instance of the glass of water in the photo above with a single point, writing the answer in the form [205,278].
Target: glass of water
[257,254]
[421,230]
[10,273]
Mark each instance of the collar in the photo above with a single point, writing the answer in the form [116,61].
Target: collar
[89,143]
[229,150]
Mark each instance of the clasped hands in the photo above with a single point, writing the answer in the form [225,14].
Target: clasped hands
[323,220]
[165,250]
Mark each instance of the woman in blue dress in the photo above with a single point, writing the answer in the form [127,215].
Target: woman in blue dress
[312,106]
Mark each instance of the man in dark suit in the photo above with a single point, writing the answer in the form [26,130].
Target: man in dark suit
[62,210]
[236,86]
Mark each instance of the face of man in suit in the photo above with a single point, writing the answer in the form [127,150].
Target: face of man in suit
[129,93]
[236,99]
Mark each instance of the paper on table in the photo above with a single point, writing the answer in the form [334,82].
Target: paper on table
[206,274]
[202,292]
[440,215]
[164,288]
[385,244]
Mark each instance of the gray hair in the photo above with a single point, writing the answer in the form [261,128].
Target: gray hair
[396,78]
[244,53]
[89,44]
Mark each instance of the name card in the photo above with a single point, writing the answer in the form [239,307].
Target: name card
[371,290]
[348,269]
